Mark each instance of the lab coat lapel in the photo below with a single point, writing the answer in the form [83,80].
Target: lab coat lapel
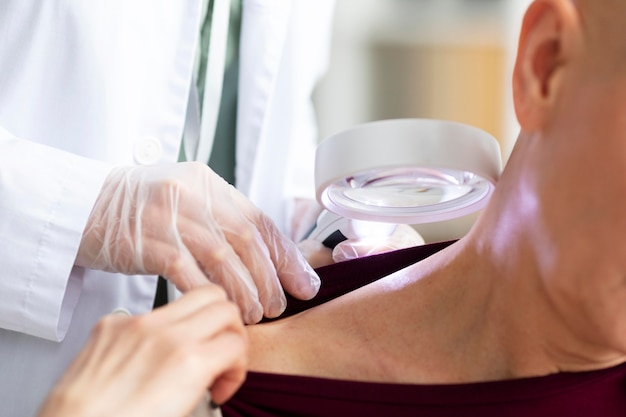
[263,33]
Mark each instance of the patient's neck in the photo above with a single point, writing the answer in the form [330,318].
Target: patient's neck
[549,277]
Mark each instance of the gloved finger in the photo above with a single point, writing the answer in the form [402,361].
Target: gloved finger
[218,264]
[294,273]
[352,249]
[255,255]
[316,254]
[175,263]
[231,252]
[404,236]
[216,250]
[222,265]
[243,228]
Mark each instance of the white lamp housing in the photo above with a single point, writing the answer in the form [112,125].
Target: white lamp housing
[407,171]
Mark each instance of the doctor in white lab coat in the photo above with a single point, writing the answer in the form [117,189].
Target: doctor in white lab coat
[86,86]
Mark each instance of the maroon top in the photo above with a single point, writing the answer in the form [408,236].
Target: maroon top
[596,393]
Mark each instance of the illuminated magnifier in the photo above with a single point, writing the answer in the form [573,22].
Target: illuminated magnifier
[409,171]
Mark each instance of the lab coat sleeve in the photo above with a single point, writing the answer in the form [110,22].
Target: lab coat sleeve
[46,196]
[309,52]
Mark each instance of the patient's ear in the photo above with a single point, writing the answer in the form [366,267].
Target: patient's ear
[544,51]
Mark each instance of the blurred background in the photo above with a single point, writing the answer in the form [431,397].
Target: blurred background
[443,59]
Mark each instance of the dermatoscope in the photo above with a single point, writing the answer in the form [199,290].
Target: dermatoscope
[377,175]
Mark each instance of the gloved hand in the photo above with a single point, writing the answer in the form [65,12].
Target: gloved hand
[158,364]
[318,255]
[404,236]
[184,222]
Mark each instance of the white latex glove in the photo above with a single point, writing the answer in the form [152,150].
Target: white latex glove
[184,222]
[404,236]
[159,364]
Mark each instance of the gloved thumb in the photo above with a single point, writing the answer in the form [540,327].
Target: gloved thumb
[404,236]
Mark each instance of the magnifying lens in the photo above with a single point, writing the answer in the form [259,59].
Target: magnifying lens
[406,171]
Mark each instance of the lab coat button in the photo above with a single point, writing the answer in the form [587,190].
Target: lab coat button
[148,151]
[120,311]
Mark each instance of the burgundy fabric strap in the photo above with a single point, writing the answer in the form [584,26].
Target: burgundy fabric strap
[586,394]
[341,278]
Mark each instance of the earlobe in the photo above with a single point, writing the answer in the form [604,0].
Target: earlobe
[542,56]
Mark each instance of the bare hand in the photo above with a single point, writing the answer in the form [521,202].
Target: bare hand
[159,364]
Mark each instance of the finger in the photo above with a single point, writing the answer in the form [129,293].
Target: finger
[223,266]
[227,364]
[191,302]
[404,236]
[173,262]
[95,346]
[199,251]
[242,232]
[222,345]
[349,249]
[208,322]
[195,353]
[294,272]
[254,254]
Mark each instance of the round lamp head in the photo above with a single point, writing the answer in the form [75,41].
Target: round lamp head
[407,171]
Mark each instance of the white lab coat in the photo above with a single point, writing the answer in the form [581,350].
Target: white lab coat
[87,85]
